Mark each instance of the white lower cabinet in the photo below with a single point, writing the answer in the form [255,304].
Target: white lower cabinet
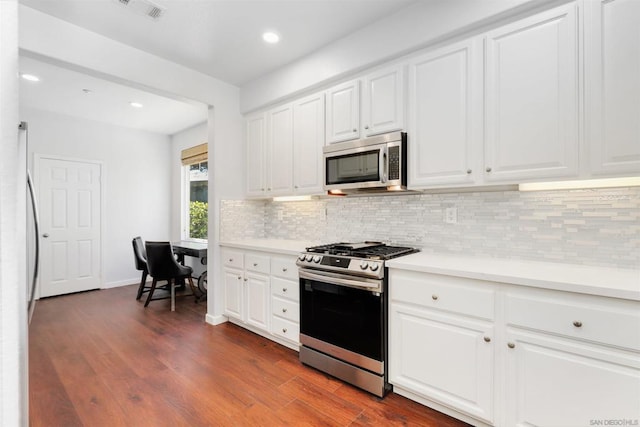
[247,287]
[570,359]
[508,355]
[552,381]
[261,294]
[441,342]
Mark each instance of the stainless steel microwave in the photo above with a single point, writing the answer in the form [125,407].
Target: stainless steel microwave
[376,164]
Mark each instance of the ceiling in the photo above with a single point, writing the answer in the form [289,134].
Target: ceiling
[220,38]
[223,38]
[61,90]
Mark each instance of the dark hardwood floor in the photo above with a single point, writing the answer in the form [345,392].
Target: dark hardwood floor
[101,359]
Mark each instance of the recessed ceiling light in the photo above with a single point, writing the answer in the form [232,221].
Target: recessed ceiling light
[135,104]
[87,91]
[30,77]
[271,37]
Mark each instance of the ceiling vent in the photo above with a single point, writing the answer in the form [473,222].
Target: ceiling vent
[144,7]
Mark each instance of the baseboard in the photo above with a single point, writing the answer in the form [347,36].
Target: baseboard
[126,282]
[215,320]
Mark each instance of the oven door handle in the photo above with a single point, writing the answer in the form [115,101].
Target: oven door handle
[337,279]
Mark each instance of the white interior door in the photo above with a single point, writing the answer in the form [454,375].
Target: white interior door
[70,196]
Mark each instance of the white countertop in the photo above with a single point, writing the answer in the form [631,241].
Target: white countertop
[609,282]
[281,246]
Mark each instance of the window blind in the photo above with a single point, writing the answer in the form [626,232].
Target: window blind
[196,154]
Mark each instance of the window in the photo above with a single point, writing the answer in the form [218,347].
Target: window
[196,192]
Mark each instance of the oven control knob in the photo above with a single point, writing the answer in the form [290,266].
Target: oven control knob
[374,267]
[301,257]
[316,258]
[364,265]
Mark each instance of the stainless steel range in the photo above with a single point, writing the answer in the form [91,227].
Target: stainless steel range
[343,311]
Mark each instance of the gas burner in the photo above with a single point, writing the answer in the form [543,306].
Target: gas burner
[365,250]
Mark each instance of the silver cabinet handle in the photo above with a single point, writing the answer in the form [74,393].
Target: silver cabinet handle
[230,259]
[284,330]
[284,310]
[262,189]
[577,324]
[268,189]
[366,127]
[434,297]
[284,270]
[488,169]
[469,171]
[239,277]
[284,289]
[487,339]
[511,345]
[45,235]
[245,279]
[255,264]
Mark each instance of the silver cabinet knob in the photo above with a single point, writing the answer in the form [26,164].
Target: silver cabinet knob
[284,330]
[284,289]
[511,345]
[245,279]
[366,127]
[577,324]
[434,297]
[284,310]
[255,264]
[488,169]
[230,259]
[355,130]
[239,277]
[295,186]
[487,339]
[469,171]
[45,235]
[269,189]
[284,269]
[262,189]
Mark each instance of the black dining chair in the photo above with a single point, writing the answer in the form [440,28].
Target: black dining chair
[162,265]
[140,257]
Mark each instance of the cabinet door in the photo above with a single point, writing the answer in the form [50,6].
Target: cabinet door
[445,116]
[258,297]
[612,58]
[256,156]
[343,112]
[559,382]
[383,101]
[233,294]
[308,139]
[443,358]
[280,158]
[532,99]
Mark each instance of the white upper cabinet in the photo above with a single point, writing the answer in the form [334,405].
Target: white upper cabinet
[532,101]
[383,101]
[308,140]
[445,116]
[256,137]
[280,152]
[612,58]
[343,112]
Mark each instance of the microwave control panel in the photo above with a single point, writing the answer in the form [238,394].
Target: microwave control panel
[394,163]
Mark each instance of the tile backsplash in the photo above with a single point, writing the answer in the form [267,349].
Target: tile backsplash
[599,227]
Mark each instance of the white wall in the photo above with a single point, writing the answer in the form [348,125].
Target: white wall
[138,180]
[13,281]
[419,25]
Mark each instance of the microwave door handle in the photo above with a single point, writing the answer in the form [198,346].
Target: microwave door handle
[384,165]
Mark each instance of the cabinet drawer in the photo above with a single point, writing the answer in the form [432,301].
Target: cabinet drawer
[231,258]
[287,309]
[285,268]
[285,289]
[257,263]
[464,296]
[285,329]
[606,321]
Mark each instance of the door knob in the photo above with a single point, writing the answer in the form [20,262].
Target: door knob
[45,235]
